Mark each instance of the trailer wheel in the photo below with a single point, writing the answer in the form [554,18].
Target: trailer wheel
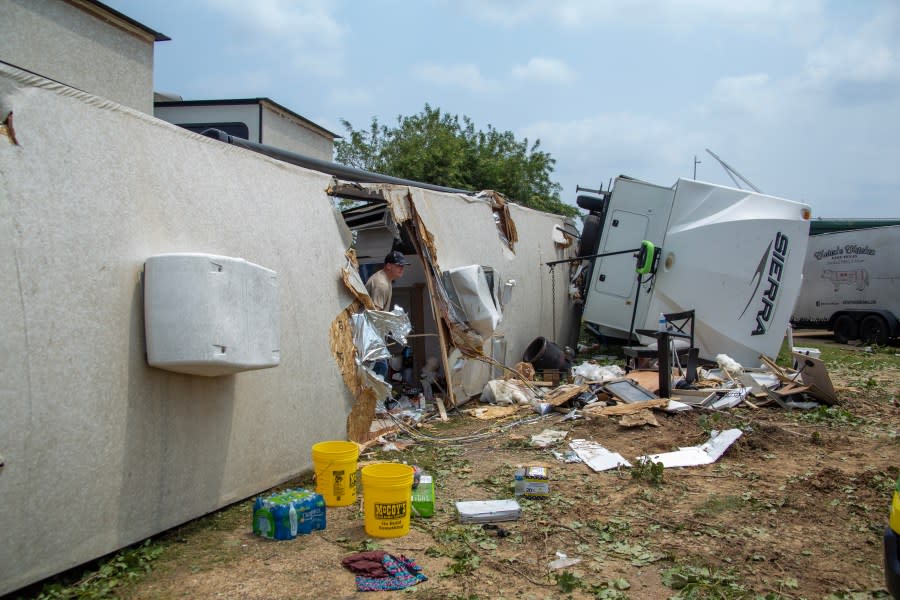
[874,330]
[590,235]
[845,329]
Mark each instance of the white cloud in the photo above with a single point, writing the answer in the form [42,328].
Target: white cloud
[465,76]
[606,145]
[868,55]
[747,95]
[350,97]
[299,33]
[753,14]
[546,70]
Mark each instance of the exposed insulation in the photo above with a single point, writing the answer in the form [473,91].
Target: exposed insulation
[505,224]
[344,351]
[354,283]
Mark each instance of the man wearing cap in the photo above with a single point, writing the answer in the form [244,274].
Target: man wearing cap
[379,284]
[380,290]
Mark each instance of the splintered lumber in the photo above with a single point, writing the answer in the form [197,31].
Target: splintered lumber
[441,409]
[624,409]
[493,412]
[782,374]
[563,394]
[649,380]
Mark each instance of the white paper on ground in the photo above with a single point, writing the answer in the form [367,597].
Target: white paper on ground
[704,454]
[676,406]
[547,437]
[596,456]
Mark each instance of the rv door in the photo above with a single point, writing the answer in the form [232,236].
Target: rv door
[637,211]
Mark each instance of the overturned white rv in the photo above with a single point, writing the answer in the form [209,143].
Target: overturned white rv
[732,256]
[90,192]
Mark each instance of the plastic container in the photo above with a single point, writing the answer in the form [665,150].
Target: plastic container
[520,481]
[387,495]
[532,482]
[544,354]
[284,515]
[423,497]
[335,466]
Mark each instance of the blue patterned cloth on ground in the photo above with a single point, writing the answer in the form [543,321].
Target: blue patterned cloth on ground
[399,572]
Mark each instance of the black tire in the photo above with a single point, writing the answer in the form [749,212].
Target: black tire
[845,329]
[874,330]
[590,235]
[591,203]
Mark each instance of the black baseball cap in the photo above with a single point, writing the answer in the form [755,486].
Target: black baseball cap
[396,258]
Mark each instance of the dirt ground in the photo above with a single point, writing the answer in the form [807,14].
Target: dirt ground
[794,509]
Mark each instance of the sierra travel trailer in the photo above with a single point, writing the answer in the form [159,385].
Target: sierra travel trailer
[732,256]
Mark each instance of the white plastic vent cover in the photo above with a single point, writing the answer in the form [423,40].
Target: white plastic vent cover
[210,315]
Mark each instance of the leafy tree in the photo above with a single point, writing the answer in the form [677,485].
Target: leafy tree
[444,149]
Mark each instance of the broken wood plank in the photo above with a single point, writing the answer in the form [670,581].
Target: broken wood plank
[493,412]
[441,409]
[563,394]
[642,417]
[648,380]
[624,409]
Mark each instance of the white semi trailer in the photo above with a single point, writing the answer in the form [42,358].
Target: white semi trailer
[851,281]
[733,256]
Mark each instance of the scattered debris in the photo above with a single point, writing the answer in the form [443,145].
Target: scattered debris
[562,561]
[588,372]
[563,393]
[548,437]
[704,454]
[642,417]
[506,392]
[486,511]
[596,456]
[814,374]
[624,409]
[628,391]
[492,412]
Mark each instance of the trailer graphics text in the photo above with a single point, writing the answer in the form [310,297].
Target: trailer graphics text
[774,256]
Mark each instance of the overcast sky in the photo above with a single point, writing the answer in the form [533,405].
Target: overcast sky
[801,97]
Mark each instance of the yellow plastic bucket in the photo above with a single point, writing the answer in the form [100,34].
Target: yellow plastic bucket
[387,492]
[335,465]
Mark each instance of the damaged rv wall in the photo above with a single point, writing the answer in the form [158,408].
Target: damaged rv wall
[460,231]
[100,449]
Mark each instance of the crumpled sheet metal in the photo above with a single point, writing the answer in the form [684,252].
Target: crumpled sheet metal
[370,345]
[704,454]
[374,382]
[394,323]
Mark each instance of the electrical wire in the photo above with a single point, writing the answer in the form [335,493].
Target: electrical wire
[483,434]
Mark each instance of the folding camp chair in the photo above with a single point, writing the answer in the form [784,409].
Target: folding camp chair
[681,334]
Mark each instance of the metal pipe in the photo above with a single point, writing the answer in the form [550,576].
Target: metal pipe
[577,258]
[324,166]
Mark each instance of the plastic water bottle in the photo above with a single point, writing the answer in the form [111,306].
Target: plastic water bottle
[662,322]
[520,481]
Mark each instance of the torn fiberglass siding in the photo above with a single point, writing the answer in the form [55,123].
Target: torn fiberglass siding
[476,234]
